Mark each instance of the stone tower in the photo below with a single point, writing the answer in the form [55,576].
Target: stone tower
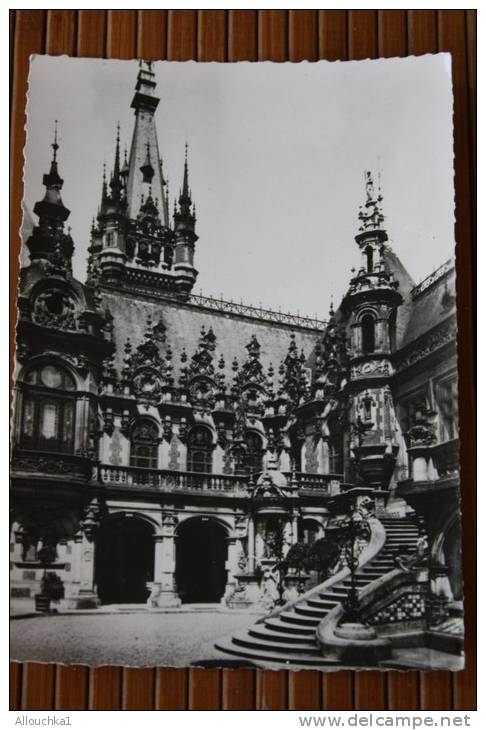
[134,245]
[370,307]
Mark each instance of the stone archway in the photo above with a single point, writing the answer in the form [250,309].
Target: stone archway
[201,554]
[124,559]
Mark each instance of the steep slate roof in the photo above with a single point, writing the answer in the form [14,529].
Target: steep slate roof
[183,322]
[431,303]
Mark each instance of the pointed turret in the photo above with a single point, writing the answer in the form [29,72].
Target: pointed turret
[51,207]
[185,236]
[48,239]
[144,166]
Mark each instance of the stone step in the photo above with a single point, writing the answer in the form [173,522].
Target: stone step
[292,617]
[306,647]
[306,610]
[264,634]
[274,655]
[278,624]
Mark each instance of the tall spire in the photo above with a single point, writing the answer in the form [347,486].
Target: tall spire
[48,239]
[144,168]
[116,182]
[371,214]
[185,200]
[52,207]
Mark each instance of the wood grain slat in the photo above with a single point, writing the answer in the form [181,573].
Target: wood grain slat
[122,34]
[392,33]
[138,689]
[171,689]
[205,689]
[71,688]
[370,690]
[34,686]
[369,686]
[422,31]
[105,688]
[303,35]
[92,26]
[182,35]
[30,33]
[452,37]
[152,34]
[38,686]
[242,35]
[273,45]
[61,32]
[271,690]
[211,35]
[333,37]
[305,690]
[362,34]
[337,687]
[403,691]
[238,689]
[435,690]
[273,35]
[338,690]
[15,687]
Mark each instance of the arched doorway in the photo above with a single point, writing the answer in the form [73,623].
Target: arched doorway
[201,554]
[124,560]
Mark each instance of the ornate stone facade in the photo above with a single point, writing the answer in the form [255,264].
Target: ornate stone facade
[183,436]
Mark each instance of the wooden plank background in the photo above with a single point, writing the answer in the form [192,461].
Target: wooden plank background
[277,35]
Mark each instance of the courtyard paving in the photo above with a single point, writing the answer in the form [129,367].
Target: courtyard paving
[132,639]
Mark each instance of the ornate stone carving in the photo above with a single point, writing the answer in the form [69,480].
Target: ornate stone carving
[55,308]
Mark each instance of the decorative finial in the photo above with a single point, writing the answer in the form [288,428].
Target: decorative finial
[55,145]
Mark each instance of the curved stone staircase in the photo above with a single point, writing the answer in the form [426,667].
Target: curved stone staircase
[290,637]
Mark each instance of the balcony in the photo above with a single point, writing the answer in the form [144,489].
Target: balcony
[172,481]
[183,481]
[53,466]
[431,466]
[446,458]
[329,484]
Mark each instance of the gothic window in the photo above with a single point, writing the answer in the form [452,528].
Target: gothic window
[48,410]
[368,333]
[144,444]
[447,402]
[308,531]
[199,450]
[254,452]
[335,459]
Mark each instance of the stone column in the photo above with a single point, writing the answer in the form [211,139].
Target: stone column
[295,528]
[81,591]
[251,545]
[163,588]
[231,567]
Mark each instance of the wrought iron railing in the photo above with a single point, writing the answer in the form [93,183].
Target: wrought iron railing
[432,278]
[269,315]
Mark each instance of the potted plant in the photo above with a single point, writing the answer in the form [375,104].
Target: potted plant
[52,587]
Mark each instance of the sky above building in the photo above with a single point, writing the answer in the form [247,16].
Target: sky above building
[277,154]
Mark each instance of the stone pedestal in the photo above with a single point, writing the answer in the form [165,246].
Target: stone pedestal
[81,592]
[246,594]
[360,645]
[163,592]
